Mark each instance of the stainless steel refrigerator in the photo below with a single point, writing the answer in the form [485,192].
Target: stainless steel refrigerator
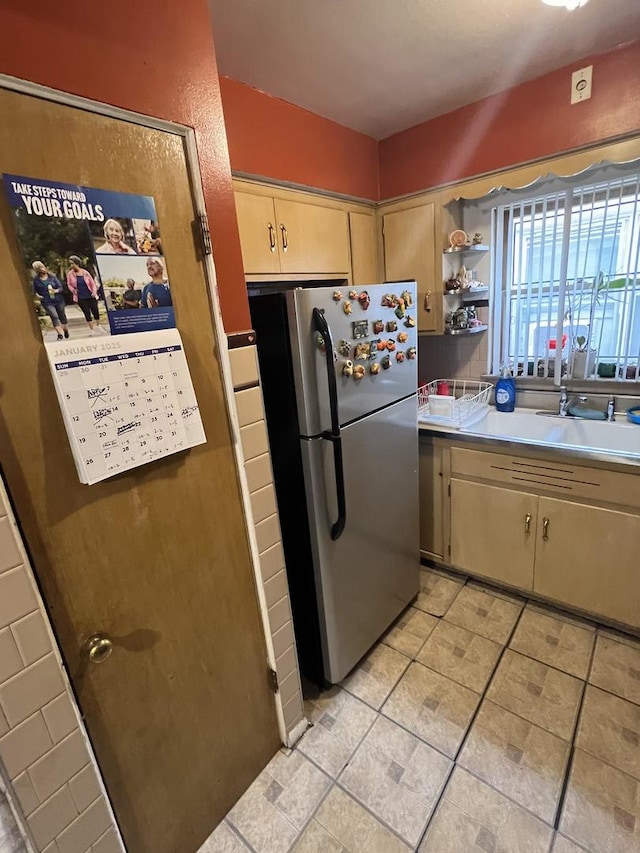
[339,376]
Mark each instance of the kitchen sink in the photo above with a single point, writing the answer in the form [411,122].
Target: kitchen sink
[525,426]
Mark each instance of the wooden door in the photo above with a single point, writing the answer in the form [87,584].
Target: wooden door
[258,235]
[493,532]
[410,252]
[431,499]
[315,239]
[180,715]
[364,249]
[589,559]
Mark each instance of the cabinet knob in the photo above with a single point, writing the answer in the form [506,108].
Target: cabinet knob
[272,237]
[545,529]
[527,524]
[285,238]
[427,301]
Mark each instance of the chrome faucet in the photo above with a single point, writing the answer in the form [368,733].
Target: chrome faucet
[611,409]
[563,405]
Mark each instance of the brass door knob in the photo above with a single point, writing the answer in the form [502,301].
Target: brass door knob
[98,648]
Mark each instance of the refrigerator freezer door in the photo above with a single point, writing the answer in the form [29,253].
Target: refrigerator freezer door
[356,342]
[366,577]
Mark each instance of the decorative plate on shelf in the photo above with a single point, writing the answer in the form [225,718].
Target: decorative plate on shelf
[458,239]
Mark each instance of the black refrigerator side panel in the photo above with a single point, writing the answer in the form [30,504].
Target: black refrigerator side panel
[269,320]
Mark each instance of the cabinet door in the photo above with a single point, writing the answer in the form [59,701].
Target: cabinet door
[493,532]
[314,240]
[410,252]
[259,241]
[431,499]
[589,559]
[364,249]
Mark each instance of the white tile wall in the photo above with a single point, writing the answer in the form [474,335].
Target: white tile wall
[44,750]
[255,445]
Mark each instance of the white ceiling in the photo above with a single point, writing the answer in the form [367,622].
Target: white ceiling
[380,66]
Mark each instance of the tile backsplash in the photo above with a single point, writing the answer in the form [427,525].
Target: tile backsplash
[452,357]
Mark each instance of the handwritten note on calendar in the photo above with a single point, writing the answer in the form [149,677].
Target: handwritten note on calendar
[126,400]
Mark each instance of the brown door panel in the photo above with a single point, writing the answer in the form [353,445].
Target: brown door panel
[180,715]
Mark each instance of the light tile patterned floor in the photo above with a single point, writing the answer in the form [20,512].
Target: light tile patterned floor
[480,723]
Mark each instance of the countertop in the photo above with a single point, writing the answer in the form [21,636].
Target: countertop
[614,459]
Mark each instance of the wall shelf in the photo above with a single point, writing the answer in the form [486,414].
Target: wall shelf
[481,294]
[472,331]
[477,249]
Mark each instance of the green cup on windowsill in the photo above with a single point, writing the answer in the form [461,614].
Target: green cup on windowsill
[606,370]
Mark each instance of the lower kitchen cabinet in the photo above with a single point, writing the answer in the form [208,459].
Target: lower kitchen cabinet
[493,532]
[431,476]
[589,559]
[566,549]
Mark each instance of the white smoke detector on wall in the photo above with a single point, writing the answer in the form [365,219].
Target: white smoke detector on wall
[567,4]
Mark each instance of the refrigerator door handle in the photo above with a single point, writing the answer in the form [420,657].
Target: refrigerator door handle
[333,435]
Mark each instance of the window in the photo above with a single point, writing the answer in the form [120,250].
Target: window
[567,269]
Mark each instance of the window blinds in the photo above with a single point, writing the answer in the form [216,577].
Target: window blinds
[566,266]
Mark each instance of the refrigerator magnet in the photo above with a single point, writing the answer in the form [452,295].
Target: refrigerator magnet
[337,296]
[407,297]
[374,369]
[409,321]
[346,307]
[381,346]
[378,327]
[364,300]
[344,348]
[392,326]
[400,356]
[363,351]
[411,353]
[347,368]
[360,328]
[386,362]
[319,342]
[358,372]
[389,300]
[391,345]
[353,294]
[403,337]
[399,312]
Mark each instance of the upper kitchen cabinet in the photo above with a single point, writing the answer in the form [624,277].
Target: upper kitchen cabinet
[412,251]
[257,224]
[312,238]
[282,235]
[363,236]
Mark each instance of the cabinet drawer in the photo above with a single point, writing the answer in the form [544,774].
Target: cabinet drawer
[561,478]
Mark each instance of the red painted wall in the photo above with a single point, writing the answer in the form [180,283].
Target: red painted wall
[157,59]
[532,120]
[271,138]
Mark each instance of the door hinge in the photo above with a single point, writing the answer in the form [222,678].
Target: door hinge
[273,680]
[205,234]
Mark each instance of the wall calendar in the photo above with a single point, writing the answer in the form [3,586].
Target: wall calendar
[126,400]
[97,277]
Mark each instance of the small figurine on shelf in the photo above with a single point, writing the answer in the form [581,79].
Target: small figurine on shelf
[454,285]
[478,239]
[472,316]
[463,277]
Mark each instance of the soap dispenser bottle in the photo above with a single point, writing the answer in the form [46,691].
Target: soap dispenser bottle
[505,391]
